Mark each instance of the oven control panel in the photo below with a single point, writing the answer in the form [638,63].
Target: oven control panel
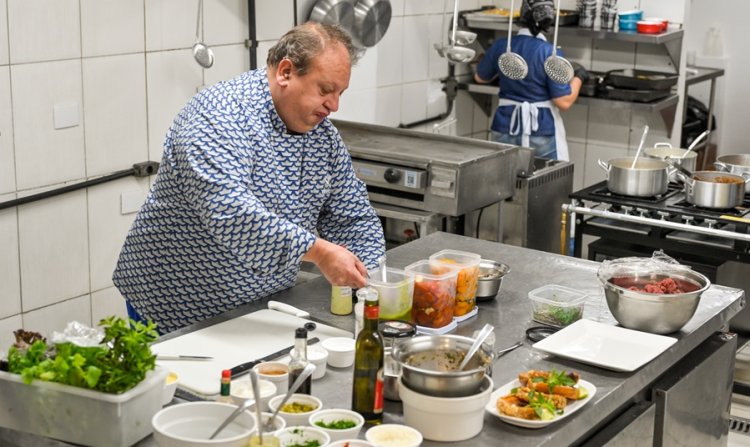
[386,175]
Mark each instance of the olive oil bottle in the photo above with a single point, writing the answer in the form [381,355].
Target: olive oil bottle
[367,392]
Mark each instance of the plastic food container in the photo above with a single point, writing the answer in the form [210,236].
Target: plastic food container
[468,277]
[394,294]
[434,294]
[78,415]
[556,305]
[647,27]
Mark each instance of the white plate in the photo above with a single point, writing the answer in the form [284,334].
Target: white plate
[604,345]
[572,407]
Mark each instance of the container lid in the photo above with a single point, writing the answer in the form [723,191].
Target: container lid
[424,270]
[557,295]
[397,329]
[393,277]
[462,258]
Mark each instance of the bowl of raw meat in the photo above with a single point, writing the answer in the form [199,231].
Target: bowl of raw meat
[661,301]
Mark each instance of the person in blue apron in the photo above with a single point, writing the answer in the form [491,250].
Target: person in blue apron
[528,112]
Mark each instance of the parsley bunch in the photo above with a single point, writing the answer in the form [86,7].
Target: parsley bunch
[118,364]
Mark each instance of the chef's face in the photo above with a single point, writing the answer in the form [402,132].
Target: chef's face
[306,99]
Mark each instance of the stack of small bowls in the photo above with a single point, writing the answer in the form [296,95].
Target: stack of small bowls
[629,19]
[586,13]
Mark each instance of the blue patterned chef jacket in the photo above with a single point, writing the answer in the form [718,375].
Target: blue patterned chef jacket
[236,204]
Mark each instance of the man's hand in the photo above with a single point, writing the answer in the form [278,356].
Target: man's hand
[580,72]
[340,266]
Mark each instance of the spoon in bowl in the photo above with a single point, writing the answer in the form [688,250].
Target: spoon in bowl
[239,410]
[640,146]
[306,371]
[481,337]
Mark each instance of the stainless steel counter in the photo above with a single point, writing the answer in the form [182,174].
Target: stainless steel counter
[511,316]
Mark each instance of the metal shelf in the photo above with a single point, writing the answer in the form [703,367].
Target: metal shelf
[695,75]
[654,106]
[627,36]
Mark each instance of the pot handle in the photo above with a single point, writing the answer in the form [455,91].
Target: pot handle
[669,145]
[721,166]
[746,176]
[603,165]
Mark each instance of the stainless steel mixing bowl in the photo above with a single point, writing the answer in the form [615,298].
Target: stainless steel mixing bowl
[491,274]
[653,312]
[429,365]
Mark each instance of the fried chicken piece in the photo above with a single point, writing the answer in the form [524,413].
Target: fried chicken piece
[539,381]
[558,401]
[511,405]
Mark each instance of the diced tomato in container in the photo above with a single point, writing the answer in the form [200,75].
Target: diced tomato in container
[434,294]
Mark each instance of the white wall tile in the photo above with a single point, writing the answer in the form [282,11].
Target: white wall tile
[43,30]
[45,155]
[225,21]
[365,72]
[388,106]
[108,226]
[390,48]
[414,102]
[262,52]
[420,7]
[436,100]
[10,286]
[438,66]
[111,27]
[172,78]
[3,32]
[273,19]
[351,106]
[229,61]
[115,117]
[7,326]
[54,250]
[7,159]
[55,318]
[416,42]
[397,7]
[170,24]
[105,303]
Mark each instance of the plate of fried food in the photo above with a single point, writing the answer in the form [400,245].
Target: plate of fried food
[539,398]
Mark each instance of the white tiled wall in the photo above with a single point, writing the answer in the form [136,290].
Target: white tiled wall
[44,30]
[111,27]
[7,159]
[4,32]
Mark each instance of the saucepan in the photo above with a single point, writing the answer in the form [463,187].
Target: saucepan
[712,189]
[738,164]
[649,177]
[684,157]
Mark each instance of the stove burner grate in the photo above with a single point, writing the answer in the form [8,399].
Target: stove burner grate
[601,192]
[738,211]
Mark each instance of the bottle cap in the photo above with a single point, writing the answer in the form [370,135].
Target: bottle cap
[397,329]
[300,332]
[226,373]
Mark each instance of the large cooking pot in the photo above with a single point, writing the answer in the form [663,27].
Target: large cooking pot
[712,189]
[738,164]
[649,177]
[664,151]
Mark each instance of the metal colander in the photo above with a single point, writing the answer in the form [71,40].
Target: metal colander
[512,65]
[557,67]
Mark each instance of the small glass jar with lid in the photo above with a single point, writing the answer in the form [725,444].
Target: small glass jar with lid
[392,332]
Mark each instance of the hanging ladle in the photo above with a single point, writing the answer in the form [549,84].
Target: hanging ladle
[202,54]
[459,54]
[512,65]
[640,146]
[481,337]
[695,143]
[557,67]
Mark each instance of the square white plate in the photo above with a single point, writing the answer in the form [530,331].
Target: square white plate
[572,407]
[604,345]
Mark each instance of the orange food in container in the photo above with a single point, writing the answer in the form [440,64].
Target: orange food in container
[467,280]
[434,294]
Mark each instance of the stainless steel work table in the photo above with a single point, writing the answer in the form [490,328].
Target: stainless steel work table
[510,314]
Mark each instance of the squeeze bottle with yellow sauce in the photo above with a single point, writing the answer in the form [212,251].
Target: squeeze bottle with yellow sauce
[341,300]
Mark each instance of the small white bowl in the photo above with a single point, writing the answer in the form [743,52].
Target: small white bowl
[318,357]
[190,424]
[337,414]
[278,422]
[295,419]
[170,386]
[276,372]
[242,390]
[351,443]
[394,435]
[340,351]
[301,435]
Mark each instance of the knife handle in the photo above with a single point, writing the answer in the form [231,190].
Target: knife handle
[242,368]
[288,309]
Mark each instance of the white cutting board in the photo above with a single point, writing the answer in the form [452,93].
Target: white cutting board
[231,343]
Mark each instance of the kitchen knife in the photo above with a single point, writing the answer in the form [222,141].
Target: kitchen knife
[182,357]
[247,366]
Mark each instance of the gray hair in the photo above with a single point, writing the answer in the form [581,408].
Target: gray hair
[303,42]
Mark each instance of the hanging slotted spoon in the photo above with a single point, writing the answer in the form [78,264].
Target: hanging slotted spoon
[512,65]
[201,52]
[557,67]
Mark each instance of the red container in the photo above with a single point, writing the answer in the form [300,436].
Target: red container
[649,27]
[664,22]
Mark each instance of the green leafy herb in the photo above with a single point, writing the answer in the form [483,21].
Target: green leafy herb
[118,364]
[558,378]
[543,407]
[341,424]
[311,443]
[557,316]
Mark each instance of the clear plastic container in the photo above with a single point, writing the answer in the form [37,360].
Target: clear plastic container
[556,305]
[395,293]
[468,277]
[434,293]
[79,415]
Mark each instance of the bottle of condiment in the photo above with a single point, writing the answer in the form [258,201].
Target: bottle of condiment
[367,392]
[359,308]
[298,360]
[341,300]
[226,386]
